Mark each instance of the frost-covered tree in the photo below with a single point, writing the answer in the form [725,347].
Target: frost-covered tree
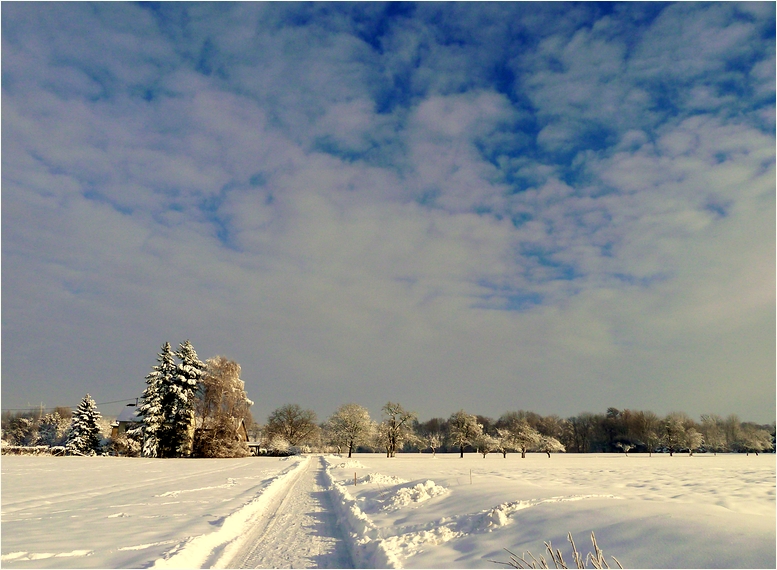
[713,433]
[291,422]
[152,410]
[21,430]
[396,427]
[646,429]
[753,439]
[548,444]
[278,444]
[673,433]
[732,428]
[221,406]
[433,441]
[463,429]
[504,441]
[51,430]
[523,437]
[692,439]
[350,426]
[485,444]
[84,437]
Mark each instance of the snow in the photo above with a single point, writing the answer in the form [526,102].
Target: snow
[131,512]
[413,510]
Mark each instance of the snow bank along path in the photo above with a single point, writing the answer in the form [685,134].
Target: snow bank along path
[218,549]
[298,530]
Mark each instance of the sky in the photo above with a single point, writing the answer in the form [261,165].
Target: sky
[483,206]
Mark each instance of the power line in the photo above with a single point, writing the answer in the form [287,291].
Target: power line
[33,408]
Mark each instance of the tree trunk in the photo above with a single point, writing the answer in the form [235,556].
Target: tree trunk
[350,449]
[461,449]
[523,453]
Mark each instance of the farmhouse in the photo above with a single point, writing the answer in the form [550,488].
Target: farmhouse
[127,418]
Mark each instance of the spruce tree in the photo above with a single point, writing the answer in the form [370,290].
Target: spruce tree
[154,408]
[84,437]
[180,401]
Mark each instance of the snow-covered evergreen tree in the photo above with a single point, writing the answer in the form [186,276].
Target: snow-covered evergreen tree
[152,409]
[178,403]
[84,437]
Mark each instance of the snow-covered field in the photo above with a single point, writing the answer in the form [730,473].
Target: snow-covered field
[410,511]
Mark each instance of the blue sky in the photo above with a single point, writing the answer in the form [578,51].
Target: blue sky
[490,206]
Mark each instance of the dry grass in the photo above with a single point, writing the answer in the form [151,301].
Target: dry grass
[527,560]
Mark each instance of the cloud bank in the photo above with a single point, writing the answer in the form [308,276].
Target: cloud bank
[547,206]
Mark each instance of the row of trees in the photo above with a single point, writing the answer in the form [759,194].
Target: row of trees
[351,428]
[195,408]
[78,431]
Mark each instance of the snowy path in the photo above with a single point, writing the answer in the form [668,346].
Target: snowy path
[300,529]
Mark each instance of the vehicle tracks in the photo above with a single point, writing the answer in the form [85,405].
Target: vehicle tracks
[299,530]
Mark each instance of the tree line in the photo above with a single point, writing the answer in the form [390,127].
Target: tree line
[351,429]
[201,409]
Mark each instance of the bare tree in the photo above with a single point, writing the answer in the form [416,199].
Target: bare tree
[293,423]
[221,411]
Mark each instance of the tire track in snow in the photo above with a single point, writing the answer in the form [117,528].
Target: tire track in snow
[300,531]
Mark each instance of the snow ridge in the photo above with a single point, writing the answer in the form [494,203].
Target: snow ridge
[406,541]
[365,542]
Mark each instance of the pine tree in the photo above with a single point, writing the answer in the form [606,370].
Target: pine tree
[152,410]
[84,437]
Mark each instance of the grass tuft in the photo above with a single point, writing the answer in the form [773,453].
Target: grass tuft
[527,560]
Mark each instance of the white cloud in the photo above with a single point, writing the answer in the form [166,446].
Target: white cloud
[343,219]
